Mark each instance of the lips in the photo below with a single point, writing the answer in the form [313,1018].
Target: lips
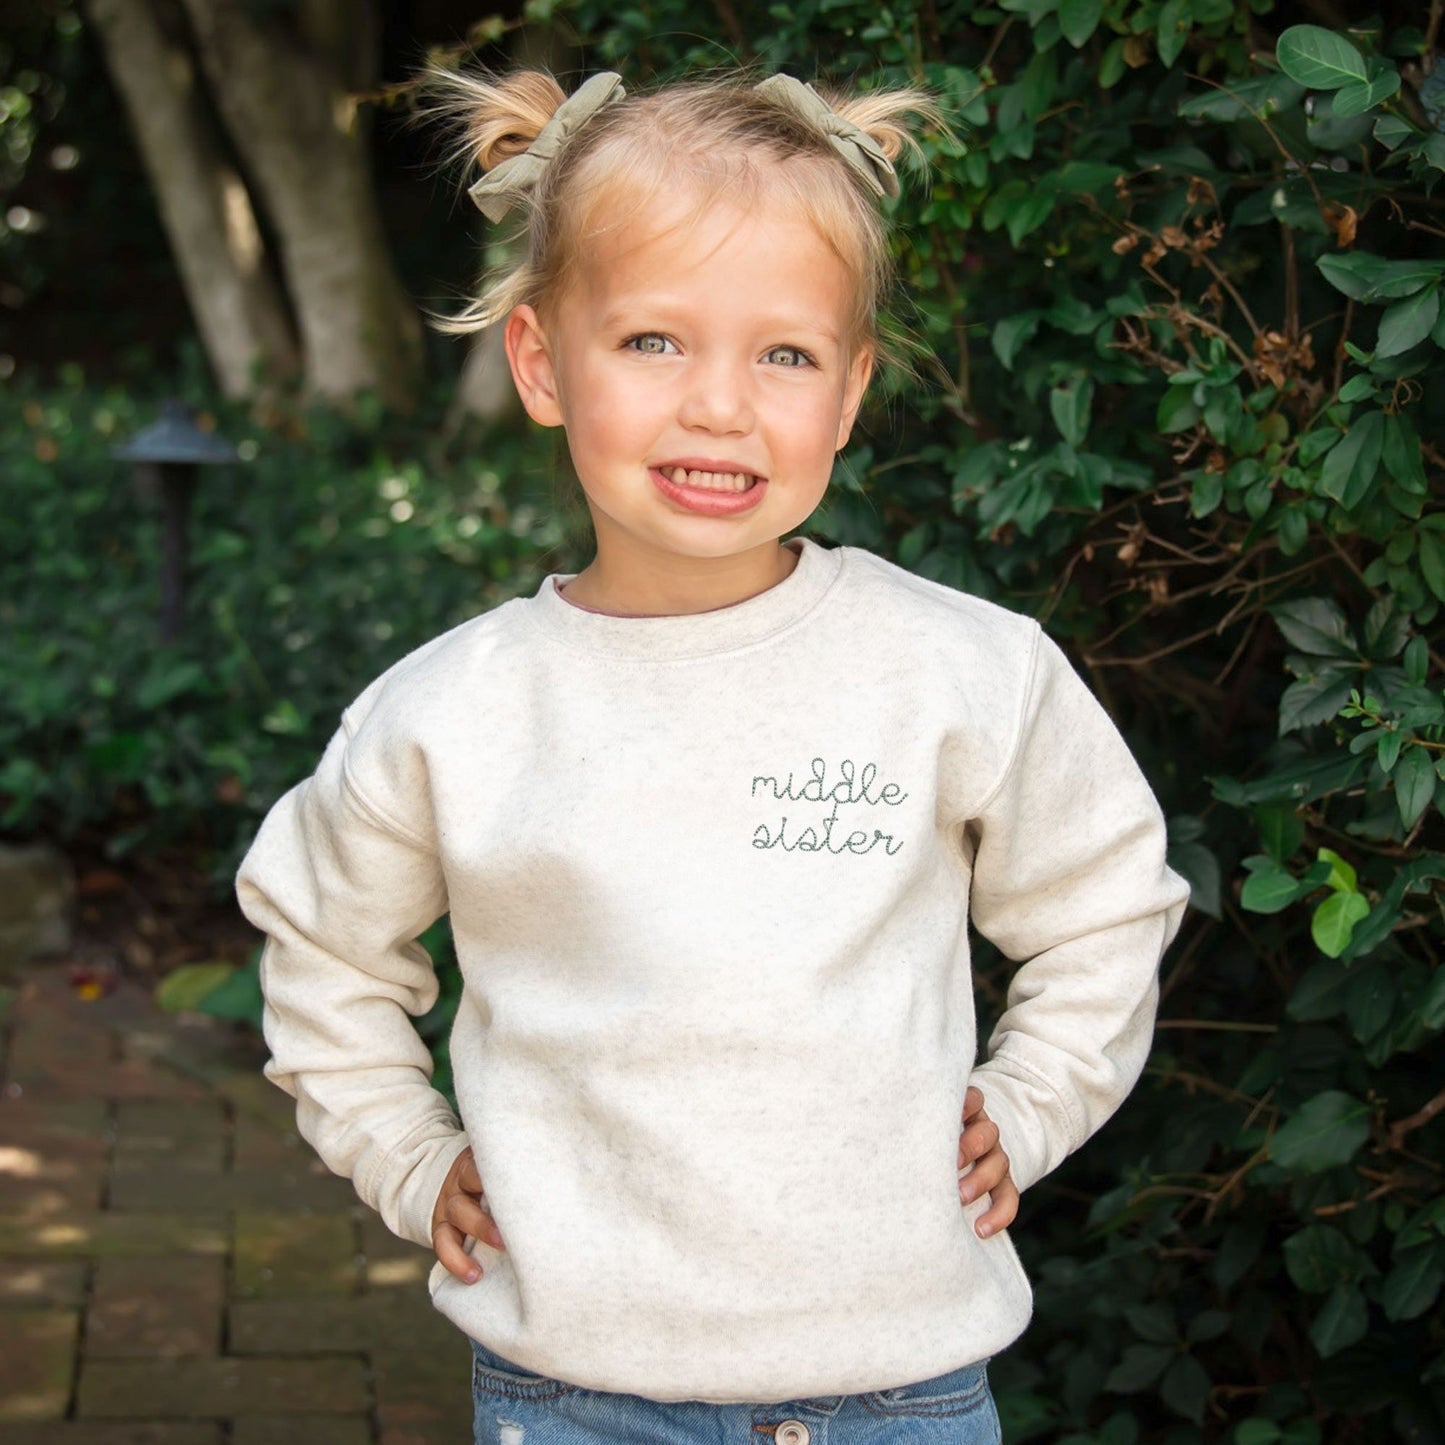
[707,474]
[714,490]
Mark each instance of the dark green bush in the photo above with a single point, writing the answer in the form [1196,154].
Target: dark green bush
[329,551]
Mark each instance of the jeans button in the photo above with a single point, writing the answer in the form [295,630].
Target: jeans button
[792,1432]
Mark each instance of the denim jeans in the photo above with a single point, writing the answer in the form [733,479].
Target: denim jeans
[514,1407]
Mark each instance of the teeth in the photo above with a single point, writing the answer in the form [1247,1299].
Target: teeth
[711,481]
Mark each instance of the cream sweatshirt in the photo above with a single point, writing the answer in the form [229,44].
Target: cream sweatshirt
[709,879]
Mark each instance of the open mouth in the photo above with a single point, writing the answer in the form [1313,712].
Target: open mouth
[710,481]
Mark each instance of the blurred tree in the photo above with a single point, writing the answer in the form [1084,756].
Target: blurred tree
[230,280]
[281,77]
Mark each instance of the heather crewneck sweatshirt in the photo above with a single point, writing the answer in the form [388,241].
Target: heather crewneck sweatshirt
[709,879]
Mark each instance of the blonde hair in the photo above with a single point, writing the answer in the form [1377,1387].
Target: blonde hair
[718,134]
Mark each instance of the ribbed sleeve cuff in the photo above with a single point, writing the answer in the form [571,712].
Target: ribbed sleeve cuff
[1026,1112]
[404,1191]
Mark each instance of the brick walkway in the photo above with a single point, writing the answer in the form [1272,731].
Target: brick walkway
[176,1267]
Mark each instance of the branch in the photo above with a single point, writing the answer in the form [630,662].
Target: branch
[1395,1138]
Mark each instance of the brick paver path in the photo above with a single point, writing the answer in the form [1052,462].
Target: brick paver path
[176,1267]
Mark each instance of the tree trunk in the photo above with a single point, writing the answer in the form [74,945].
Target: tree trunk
[284,96]
[228,279]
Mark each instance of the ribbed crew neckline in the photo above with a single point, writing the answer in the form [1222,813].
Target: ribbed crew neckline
[693,634]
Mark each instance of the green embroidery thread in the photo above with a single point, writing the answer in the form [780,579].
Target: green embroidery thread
[851,787]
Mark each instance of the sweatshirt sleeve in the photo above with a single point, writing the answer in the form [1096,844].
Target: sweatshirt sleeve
[1069,880]
[342,892]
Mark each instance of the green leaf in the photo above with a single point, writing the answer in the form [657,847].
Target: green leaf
[1316,698]
[1207,1325]
[1370,1001]
[1314,444]
[1334,921]
[1256,1431]
[1177,411]
[1173,29]
[1342,1320]
[1319,58]
[1078,19]
[1432,1003]
[1417,659]
[1315,625]
[1408,322]
[1069,405]
[1342,877]
[1432,562]
[1411,1286]
[184,989]
[1360,96]
[1327,1130]
[237,998]
[1414,777]
[1185,1388]
[1386,630]
[1281,830]
[1390,130]
[1270,890]
[1387,749]
[1402,455]
[1113,66]
[1364,277]
[166,681]
[1351,469]
[1260,96]
[1320,994]
[1199,868]
[1012,333]
[1319,1257]
[1141,1366]
[1029,214]
[1154,1322]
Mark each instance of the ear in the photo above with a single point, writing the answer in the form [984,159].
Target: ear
[859,373]
[530,359]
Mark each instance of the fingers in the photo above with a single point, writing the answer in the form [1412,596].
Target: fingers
[1003,1207]
[446,1240]
[977,1139]
[461,1210]
[984,1177]
[972,1102]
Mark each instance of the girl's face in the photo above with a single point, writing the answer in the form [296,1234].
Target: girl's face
[690,351]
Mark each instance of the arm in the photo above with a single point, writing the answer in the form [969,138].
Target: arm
[342,891]
[1069,879]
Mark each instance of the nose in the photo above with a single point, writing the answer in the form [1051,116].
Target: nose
[718,399]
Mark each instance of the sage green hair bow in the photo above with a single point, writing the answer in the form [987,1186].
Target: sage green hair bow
[507,184]
[855,145]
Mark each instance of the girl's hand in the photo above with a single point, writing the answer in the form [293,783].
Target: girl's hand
[978,1145]
[461,1209]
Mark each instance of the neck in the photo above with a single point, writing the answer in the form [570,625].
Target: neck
[678,586]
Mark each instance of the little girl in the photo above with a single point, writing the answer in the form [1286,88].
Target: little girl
[710,818]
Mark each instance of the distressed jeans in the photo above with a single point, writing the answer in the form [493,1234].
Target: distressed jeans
[514,1407]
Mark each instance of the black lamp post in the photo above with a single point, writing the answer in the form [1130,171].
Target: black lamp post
[168,453]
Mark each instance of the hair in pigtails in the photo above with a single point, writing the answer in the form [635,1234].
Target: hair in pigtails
[826,153]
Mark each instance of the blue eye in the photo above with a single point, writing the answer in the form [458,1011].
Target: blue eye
[650,343]
[789,356]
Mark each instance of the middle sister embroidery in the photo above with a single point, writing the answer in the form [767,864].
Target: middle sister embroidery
[850,788]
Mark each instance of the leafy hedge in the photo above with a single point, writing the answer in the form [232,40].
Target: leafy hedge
[1183,276]
[328,551]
